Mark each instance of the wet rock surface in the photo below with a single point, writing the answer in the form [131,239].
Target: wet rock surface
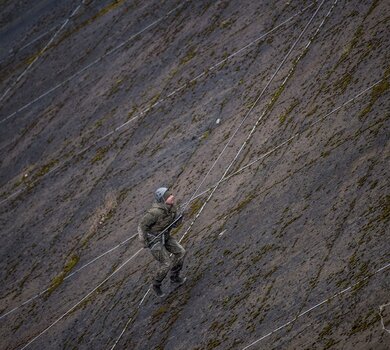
[292,248]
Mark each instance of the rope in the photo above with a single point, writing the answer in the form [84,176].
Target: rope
[116,48]
[263,156]
[381,316]
[165,229]
[223,150]
[121,126]
[350,288]
[41,52]
[257,122]
[84,298]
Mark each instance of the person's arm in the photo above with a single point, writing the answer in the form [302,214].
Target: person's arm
[178,220]
[144,233]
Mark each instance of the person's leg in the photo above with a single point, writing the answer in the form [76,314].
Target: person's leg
[162,256]
[178,252]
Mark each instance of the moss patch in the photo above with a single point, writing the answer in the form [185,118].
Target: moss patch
[351,45]
[343,82]
[283,117]
[190,54]
[376,92]
[195,207]
[115,87]
[100,153]
[241,205]
[113,5]
[57,280]
[159,312]
[154,99]
[276,96]
[205,135]
[264,250]
[364,323]
[33,57]
[46,168]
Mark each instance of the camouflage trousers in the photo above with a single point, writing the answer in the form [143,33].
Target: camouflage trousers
[166,263]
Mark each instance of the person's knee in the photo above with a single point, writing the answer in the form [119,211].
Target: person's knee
[182,253]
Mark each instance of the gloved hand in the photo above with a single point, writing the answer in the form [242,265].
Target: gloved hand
[145,244]
[147,240]
[178,220]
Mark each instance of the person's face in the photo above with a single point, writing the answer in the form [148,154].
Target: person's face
[170,200]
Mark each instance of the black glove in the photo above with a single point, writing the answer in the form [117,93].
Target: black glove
[149,240]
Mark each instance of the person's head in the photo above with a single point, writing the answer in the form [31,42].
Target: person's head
[163,195]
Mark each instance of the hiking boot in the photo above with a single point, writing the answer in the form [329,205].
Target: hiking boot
[178,280]
[157,290]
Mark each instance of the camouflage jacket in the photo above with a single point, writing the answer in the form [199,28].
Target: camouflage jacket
[154,221]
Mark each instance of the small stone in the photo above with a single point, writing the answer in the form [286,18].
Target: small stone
[222,233]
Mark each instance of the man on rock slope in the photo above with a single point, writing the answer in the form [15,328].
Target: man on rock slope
[153,232]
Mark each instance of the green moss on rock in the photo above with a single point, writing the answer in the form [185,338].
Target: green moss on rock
[57,280]
[46,168]
[190,54]
[100,153]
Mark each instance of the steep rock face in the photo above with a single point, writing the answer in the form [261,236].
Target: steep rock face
[103,101]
